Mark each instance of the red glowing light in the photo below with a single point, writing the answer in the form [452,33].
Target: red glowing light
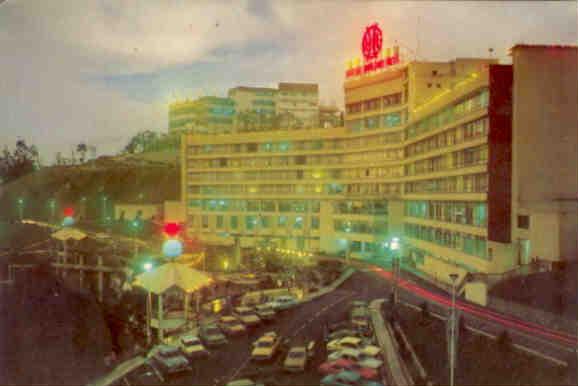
[68,212]
[371,42]
[172,229]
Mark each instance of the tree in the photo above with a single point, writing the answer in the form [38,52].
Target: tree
[81,148]
[23,160]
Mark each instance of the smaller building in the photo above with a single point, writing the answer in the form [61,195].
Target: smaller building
[255,108]
[297,105]
[208,114]
[330,116]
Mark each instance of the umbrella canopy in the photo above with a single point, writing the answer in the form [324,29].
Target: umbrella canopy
[172,274]
[68,233]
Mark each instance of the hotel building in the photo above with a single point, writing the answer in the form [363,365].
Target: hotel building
[471,164]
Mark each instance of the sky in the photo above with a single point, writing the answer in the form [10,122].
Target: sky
[100,71]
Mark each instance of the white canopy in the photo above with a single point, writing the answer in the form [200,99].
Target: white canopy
[164,277]
[68,233]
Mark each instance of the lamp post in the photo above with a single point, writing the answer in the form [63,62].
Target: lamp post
[453,278]
[52,205]
[394,246]
[20,203]
[104,198]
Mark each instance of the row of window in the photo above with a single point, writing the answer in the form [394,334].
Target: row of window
[466,213]
[353,189]
[457,159]
[287,146]
[379,227]
[253,222]
[313,160]
[365,207]
[450,113]
[354,173]
[466,243]
[309,206]
[375,122]
[453,136]
[474,183]
[374,104]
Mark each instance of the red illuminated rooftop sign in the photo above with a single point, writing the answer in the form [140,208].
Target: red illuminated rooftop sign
[371,47]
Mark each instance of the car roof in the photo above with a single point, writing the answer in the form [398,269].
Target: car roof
[189,337]
[242,308]
[350,351]
[241,382]
[371,350]
[228,318]
[298,349]
[350,339]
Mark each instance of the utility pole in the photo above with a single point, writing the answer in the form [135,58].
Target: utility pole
[394,245]
[453,277]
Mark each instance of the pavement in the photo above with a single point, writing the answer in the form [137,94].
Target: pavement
[397,374]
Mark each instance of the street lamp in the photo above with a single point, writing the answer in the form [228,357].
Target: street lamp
[52,205]
[135,225]
[104,198]
[20,203]
[453,278]
[394,246]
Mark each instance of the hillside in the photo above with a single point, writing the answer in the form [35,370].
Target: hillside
[129,180]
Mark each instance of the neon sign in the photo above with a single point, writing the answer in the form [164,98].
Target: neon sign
[375,58]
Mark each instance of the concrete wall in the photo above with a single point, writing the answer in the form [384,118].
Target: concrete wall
[174,211]
[544,148]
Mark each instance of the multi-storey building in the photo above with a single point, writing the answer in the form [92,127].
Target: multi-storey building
[255,108]
[330,116]
[431,153]
[297,105]
[206,114]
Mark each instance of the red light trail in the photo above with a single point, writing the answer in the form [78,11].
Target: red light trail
[481,312]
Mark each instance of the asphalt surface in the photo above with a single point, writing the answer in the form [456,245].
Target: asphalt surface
[303,323]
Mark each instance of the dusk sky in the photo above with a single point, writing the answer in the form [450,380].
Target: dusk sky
[100,71]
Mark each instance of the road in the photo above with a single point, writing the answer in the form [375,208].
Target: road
[305,322]
[554,345]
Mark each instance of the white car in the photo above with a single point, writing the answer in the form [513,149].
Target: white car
[284,302]
[192,347]
[247,316]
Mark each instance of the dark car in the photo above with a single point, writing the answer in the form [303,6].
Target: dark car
[211,335]
[169,359]
[144,375]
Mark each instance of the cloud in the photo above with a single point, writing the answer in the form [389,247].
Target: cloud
[98,70]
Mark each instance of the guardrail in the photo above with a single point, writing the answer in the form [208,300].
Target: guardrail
[398,374]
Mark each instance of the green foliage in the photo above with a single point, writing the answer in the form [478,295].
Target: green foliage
[22,161]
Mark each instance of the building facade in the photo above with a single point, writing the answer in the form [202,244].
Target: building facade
[297,105]
[204,115]
[255,108]
[436,154]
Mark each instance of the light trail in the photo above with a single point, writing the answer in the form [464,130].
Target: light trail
[484,313]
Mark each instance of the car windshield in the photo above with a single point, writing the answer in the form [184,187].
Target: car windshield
[212,331]
[265,344]
[245,312]
[169,353]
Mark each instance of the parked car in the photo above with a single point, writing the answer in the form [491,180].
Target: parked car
[265,311]
[266,347]
[339,365]
[244,382]
[358,304]
[359,318]
[231,326]
[192,347]
[297,357]
[284,302]
[367,357]
[247,316]
[347,378]
[169,359]
[338,334]
[211,335]
[144,375]
[334,367]
[346,342]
